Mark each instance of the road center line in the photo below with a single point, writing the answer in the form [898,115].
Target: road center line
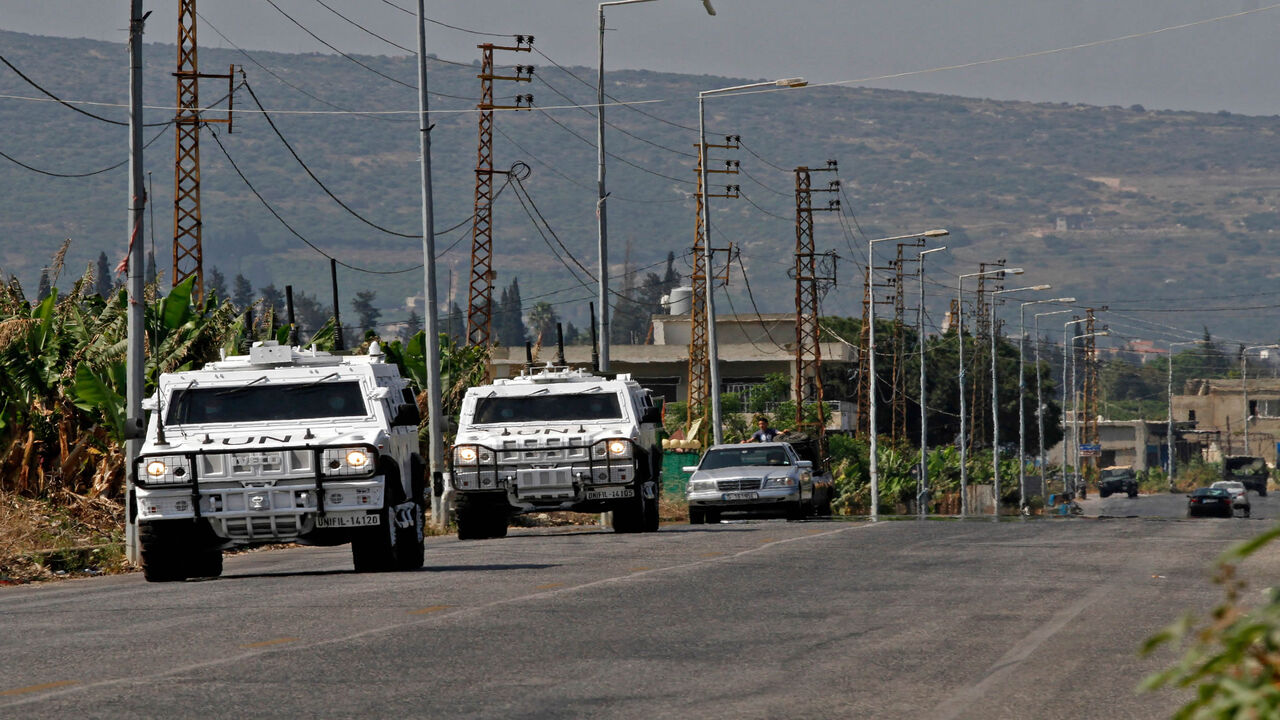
[269,643]
[36,688]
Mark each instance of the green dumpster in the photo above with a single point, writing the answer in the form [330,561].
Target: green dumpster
[674,478]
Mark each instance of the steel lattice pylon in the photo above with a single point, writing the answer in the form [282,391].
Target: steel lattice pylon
[480,291]
[699,370]
[188,256]
[808,381]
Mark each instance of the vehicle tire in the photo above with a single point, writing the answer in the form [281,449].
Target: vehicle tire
[1262,491]
[713,517]
[629,517]
[498,523]
[1246,512]
[1133,493]
[374,549]
[474,521]
[1103,493]
[651,511]
[410,543]
[824,507]
[697,516]
[163,548]
[207,564]
[796,511]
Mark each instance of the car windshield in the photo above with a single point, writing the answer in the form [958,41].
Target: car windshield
[744,457]
[1210,492]
[265,402]
[1115,472]
[548,408]
[1230,486]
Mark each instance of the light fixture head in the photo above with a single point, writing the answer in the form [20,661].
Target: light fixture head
[707,4]
[936,233]
[1014,271]
[1040,287]
[791,82]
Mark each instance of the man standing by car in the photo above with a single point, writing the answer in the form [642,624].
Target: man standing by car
[764,433]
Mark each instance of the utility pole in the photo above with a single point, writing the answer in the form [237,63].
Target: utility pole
[136,355]
[700,374]
[898,425]
[1090,393]
[188,257]
[808,383]
[480,293]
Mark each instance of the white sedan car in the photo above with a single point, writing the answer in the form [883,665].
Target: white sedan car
[758,478]
[1239,495]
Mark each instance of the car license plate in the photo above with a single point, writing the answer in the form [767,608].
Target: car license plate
[610,493]
[741,496]
[341,521]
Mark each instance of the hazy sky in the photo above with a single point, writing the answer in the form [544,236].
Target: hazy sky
[1224,65]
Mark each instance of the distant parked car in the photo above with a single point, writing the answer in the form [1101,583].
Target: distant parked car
[1118,478]
[1239,495]
[758,478]
[1213,502]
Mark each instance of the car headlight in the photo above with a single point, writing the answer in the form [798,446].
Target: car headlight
[164,470]
[701,486]
[613,448]
[346,462]
[780,481]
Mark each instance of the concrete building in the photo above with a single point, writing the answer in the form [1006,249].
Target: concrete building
[1217,407]
[751,347]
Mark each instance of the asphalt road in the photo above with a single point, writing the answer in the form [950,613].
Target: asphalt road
[1169,505]
[763,619]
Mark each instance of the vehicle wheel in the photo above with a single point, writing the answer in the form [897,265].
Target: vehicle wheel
[1103,493]
[796,511]
[824,508]
[697,516]
[1262,491]
[1246,512]
[629,517]
[374,549]
[650,514]
[207,564]
[713,517]
[410,544]
[162,545]
[1133,493]
[498,522]
[473,522]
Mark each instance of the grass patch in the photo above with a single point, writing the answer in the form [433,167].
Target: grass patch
[59,536]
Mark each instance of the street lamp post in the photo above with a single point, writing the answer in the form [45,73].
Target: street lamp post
[1075,409]
[1244,387]
[1044,482]
[1169,462]
[871,356]
[964,469]
[995,401]
[713,359]
[1022,385]
[602,222]
[1068,388]
[922,487]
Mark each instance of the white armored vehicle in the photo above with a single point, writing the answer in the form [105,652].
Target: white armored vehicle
[280,445]
[557,439]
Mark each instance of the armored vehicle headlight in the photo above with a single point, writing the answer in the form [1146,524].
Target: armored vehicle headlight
[465,455]
[346,462]
[618,448]
[164,470]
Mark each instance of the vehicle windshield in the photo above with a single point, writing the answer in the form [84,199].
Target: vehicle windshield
[1230,485]
[1115,472]
[548,408]
[1210,492]
[265,402]
[744,457]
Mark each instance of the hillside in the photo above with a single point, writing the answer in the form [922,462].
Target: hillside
[1165,211]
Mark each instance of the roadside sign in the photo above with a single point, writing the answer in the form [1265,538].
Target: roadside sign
[1090,448]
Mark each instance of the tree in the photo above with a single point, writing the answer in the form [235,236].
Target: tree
[102,282]
[44,288]
[542,320]
[508,320]
[412,326]
[366,314]
[457,329]
[273,303]
[216,285]
[242,294]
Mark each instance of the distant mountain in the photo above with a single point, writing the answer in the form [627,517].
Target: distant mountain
[1168,218]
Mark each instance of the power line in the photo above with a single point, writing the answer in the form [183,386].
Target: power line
[50,173]
[70,106]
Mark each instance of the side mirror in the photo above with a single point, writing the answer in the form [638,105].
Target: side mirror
[407,415]
[652,414]
[689,468]
[807,464]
